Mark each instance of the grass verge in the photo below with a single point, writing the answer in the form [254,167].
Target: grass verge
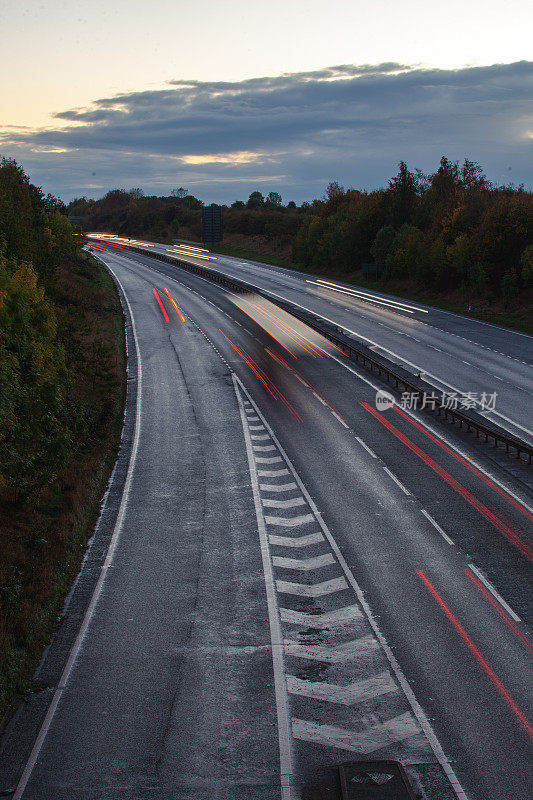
[486,309]
[43,541]
[264,256]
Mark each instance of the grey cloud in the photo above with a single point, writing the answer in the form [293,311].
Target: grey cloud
[351,123]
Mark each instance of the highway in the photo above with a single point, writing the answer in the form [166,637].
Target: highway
[291,579]
[453,353]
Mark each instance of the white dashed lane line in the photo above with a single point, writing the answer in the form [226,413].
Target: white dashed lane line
[397,481]
[437,526]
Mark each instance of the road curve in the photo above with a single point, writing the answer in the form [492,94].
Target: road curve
[453,353]
[296,580]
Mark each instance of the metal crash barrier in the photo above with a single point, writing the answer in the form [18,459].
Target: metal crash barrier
[399,378]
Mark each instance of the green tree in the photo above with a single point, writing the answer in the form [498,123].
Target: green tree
[472,175]
[403,190]
[334,191]
[256,200]
[273,200]
[382,244]
[505,230]
[35,440]
[459,256]
[526,267]
[408,255]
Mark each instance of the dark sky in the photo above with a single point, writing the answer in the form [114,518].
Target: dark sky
[292,134]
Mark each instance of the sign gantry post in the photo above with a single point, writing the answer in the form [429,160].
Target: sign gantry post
[212,223]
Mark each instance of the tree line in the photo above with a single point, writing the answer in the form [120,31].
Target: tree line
[449,229]
[36,421]
[62,384]
[132,213]
[452,228]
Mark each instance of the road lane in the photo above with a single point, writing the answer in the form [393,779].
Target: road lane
[468,528]
[340,693]
[176,661]
[453,353]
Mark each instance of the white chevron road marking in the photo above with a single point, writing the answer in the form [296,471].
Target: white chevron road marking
[291,503]
[259,437]
[277,487]
[367,741]
[356,692]
[288,522]
[264,448]
[285,742]
[272,473]
[314,590]
[334,624]
[327,620]
[296,541]
[303,564]
[357,648]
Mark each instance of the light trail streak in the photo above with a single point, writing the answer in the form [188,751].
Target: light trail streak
[500,524]
[466,464]
[267,382]
[175,305]
[291,332]
[269,332]
[481,659]
[161,306]
[306,383]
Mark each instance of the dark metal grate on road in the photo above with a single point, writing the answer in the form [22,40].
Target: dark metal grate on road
[374,780]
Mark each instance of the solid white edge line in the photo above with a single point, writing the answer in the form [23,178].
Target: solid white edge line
[402,680]
[397,481]
[288,790]
[495,593]
[76,647]
[507,419]
[437,526]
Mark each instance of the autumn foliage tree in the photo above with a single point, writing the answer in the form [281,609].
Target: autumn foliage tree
[35,437]
[441,231]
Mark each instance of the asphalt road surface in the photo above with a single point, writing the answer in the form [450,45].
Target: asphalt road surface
[292,580]
[452,352]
